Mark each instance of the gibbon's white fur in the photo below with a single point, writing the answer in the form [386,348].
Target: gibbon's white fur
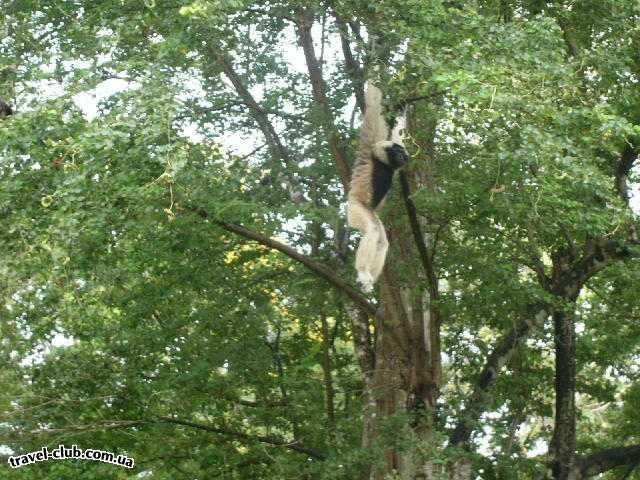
[378,158]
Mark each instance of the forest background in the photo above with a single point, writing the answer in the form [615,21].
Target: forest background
[176,274]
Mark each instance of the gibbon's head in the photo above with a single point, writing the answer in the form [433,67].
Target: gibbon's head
[391,153]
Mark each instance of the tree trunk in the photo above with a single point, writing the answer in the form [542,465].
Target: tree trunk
[563,444]
[403,382]
[407,349]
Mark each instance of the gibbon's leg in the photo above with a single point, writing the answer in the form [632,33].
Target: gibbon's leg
[382,246]
[366,257]
[362,218]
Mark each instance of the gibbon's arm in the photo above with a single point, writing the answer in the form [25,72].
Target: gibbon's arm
[377,160]
[374,127]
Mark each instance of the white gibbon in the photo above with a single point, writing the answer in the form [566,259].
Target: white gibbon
[378,158]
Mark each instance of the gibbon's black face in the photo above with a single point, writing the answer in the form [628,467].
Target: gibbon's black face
[397,155]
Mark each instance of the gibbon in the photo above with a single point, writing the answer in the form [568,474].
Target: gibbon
[378,158]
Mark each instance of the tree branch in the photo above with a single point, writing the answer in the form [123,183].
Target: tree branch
[352,67]
[608,459]
[276,147]
[116,424]
[112,425]
[271,440]
[598,254]
[500,355]
[566,283]
[304,22]
[252,152]
[401,104]
[322,271]
[421,245]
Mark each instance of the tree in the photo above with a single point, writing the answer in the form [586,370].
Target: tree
[178,273]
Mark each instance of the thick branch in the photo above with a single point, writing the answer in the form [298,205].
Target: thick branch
[418,238]
[304,22]
[276,147]
[322,271]
[608,459]
[566,284]
[599,253]
[501,354]
[117,424]
[271,440]
[351,64]
[627,159]
[401,104]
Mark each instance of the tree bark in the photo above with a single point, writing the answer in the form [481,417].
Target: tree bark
[563,444]
[605,460]
[352,67]
[327,374]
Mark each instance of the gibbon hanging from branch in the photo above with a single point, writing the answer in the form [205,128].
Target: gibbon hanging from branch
[380,154]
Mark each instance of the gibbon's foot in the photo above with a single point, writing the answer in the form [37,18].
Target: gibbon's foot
[366,281]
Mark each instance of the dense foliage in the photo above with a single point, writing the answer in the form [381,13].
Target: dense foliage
[157,146]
